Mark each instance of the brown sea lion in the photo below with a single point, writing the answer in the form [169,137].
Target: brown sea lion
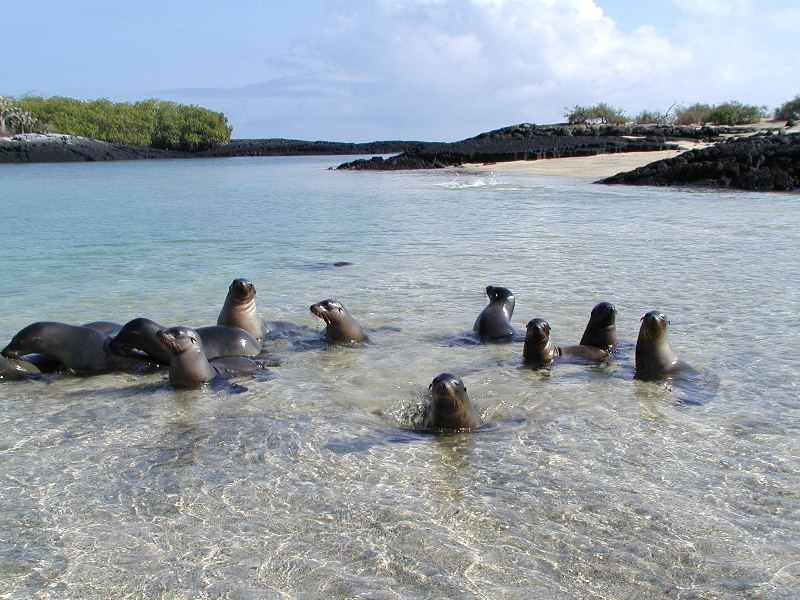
[654,356]
[108,327]
[83,350]
[539,350]
[601,331]
[494,322]
[189,365]
[341,327]
[450,407]
[218,340]
[239,309]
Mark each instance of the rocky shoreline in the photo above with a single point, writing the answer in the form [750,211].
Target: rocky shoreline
[741,157]
[765,162]
[533,142]
[39,148]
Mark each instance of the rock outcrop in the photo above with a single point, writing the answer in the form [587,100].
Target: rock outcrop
[38,147]
[766,162]
[35,147]
[532,142]
[283,147]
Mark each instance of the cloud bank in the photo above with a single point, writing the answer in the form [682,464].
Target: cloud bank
[447,69]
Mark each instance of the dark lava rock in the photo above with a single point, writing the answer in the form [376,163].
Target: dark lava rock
[759,163]
[282,147]
[532,142]
[67,148]
[35,148]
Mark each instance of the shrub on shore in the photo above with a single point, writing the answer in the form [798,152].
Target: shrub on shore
[156,123]
[727,113]
[789,110]
[599,113]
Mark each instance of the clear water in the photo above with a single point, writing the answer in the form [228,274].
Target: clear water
[586,482]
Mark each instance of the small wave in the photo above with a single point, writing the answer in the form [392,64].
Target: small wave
[459,183]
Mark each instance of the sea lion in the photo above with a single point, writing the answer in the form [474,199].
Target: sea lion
[81,349]
[654,356]
[539,350]
[341,328]
[494,322]
[218,340]
[239,309]
[450,407]
[189,365]
[15,369]
[107,327]
[601,331]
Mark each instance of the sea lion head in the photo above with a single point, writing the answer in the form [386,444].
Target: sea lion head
[450,405]
[603,314]
[180,339]
[654,326]
[242,290]
[448,391]
[537,331]
[132,335]
[328,310]
[27,340]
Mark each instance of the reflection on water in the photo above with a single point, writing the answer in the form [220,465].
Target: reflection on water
[583,482]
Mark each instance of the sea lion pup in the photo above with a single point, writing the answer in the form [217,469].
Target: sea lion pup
[218,340]
[539,350]
[494,322]
[189,366]
[450,407]
[12,369]
[239,309]
[81,349]
[341,328]
[601,331]
[654,357]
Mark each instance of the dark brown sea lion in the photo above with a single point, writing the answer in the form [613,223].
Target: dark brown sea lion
[108,327]
[539,350]
[83,350]
[341,328]
[450,407]
[494,322]
[601,331]
[239,309]
[15,369]
[189,366]
[654,356]
[218,340]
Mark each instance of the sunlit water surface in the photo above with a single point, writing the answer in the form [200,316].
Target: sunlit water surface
[584,483]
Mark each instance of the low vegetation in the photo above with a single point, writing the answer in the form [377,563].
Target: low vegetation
[599,113]
[727,113]
[156,123]
[789,111]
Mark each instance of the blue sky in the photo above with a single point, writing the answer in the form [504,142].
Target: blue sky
[412,69]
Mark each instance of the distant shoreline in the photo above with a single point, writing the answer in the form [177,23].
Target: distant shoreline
[59,148]
[598,151]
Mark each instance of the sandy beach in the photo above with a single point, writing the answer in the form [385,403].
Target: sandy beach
[601,165]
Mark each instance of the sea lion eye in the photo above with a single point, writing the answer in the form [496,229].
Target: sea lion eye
[430,386]
[340,309]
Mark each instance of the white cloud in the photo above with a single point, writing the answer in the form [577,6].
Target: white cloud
[716,8]
[444,69]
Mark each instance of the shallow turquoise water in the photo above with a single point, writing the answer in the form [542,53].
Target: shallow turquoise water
[585,483]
